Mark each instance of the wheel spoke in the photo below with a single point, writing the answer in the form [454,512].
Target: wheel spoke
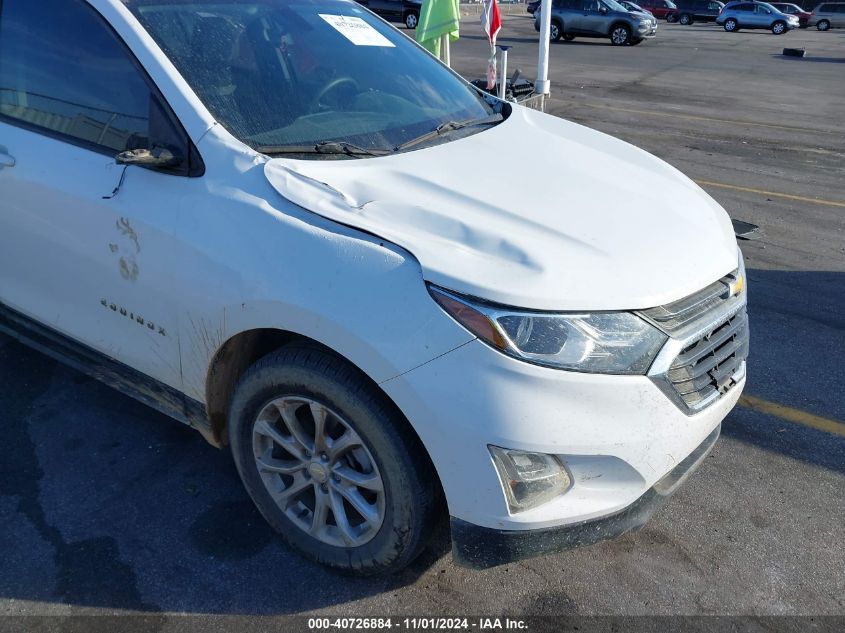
[320,414]
[270,464]
[366,510]
[288,413]
[340,518]
[263,427]
[296,488]
[342,444]
[321,512]
[370,481]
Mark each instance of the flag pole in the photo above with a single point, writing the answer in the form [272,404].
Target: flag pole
[542,85]
[444,50]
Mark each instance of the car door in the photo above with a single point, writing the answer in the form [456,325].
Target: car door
[837,16]
[744,14]
[589,20]
[87,246]
[390,9]
[762,16]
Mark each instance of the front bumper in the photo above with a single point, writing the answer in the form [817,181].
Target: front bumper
[479,547]
[617,435]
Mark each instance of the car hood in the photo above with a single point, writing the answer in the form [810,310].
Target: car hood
[530,213]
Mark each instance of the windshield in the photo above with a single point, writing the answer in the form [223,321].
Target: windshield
[614,6]
[303,72]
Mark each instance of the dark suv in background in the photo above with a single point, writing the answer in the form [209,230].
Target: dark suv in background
[405,11]
[598,18]
[690,11]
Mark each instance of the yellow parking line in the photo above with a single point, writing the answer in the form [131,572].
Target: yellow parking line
[793,415]
[771,194]
[691,117]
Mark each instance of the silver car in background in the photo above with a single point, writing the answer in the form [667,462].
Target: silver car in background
[828,15]
[755,15]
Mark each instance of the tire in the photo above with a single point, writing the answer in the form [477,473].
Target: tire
[555,31]
[731,25]
[411,20]
[380,466]
[685,19]
[671,18]
[620,35]
[567,37]
[823,25]
[779,27]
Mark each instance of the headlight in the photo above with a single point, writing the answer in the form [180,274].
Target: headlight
[601,342]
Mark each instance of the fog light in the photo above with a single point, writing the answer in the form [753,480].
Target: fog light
[529,479]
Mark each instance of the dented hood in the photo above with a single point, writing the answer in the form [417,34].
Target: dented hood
[536,212]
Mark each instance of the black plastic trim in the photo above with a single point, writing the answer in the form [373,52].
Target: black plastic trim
[144,388]
[480,547]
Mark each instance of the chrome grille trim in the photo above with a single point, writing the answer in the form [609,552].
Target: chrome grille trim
[673,318]
[705,355]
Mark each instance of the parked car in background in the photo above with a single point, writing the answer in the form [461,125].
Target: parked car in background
[755,15]
[532,6]
[793,9]
[661,9]
[633,8]
[406,12]
[598,18]
[828,15]
[690,11]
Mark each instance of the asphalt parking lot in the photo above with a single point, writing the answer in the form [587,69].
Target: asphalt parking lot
[108,507]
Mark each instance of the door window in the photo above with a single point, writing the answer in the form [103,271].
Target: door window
[62,69]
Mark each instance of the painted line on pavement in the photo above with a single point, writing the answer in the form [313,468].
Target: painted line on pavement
[796,416]
[771,194]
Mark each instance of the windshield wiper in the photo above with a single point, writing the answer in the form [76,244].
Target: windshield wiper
[448,126]
[324,147]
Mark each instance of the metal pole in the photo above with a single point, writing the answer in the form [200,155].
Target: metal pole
[503,77]
[542,84]
[444,50]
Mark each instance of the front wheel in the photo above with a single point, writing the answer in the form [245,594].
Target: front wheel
[731,25]
[823,25]
[620,35]
[411,20]
[779,27]
[685,19]
[330,463]
[555,32]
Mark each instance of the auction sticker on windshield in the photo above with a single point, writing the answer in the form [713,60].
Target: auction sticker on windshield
[356,30]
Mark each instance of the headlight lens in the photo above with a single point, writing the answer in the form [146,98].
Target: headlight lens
[602,342]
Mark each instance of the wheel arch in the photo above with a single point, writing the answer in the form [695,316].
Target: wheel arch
[245,348]
[620,22]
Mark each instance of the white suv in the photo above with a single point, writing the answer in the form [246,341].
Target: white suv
[280,222]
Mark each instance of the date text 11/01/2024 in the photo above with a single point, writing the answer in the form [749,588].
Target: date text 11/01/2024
[425,623]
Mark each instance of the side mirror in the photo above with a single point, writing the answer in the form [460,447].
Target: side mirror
[602,10]
[156,158]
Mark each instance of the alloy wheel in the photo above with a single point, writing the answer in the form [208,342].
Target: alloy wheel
[411,21]
[318,471]
[619,35]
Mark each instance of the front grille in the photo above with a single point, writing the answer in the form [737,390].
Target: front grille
[705,355]
[712,364]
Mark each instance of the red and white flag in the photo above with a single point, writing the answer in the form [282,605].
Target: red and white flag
[492,23]
[491,20]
